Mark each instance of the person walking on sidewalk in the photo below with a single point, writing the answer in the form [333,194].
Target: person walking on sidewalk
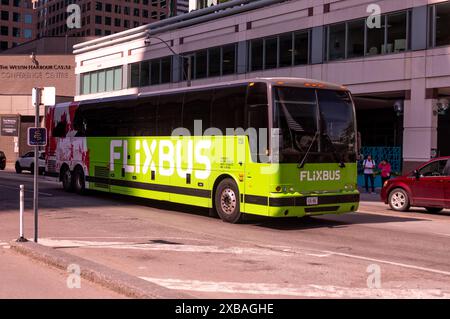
[385,169]
[369,166]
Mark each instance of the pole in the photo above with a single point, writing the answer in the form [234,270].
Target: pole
[36,167]
[22,199]
[189,71]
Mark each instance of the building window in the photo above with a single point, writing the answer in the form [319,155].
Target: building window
[442,24]
[150,72]
[301,48]
[101,81]
[286,45]
[229,59]
[375,39]
[256,54]
[355,44]
[201,64]
[336,42]
[5,15]
[397,33]
[27,33]
[214,61]
[271,53]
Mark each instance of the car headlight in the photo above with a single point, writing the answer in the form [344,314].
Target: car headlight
[385,183]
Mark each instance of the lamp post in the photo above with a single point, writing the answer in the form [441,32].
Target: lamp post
[188,57]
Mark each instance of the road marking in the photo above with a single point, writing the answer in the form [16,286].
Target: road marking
[442,234]
[393,263]
[326,253]
[26,190]
[161,247]
[312,291]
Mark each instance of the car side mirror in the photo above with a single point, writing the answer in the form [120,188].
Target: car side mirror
[417,174]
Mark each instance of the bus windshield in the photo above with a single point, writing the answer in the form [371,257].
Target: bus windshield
[321,122]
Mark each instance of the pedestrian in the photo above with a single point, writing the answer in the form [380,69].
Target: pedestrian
[385,169]
[369,166]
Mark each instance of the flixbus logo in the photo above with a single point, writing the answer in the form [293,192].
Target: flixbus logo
[163,155]
[318,176]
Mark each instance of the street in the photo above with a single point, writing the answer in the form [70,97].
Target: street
[375,253]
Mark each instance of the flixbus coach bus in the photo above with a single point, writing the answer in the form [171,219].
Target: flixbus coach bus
[273,147]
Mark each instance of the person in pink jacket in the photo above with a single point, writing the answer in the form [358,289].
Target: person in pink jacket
[385,169]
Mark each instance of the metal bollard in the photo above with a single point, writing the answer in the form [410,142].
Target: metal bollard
[22,205]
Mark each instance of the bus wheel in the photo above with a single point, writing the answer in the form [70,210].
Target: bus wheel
[66,177]
[227,201]
[78,181]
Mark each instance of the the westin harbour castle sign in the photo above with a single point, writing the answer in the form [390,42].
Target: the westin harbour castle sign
[31,71]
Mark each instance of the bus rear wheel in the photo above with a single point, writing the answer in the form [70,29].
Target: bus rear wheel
[227,201]
[78,181]
[66,178]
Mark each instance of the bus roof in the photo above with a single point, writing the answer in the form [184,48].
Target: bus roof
[298,82]
[282,81]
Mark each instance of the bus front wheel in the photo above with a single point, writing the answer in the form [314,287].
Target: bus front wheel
[227,201]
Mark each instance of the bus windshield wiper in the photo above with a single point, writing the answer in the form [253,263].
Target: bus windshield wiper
[302,162]
[334,151]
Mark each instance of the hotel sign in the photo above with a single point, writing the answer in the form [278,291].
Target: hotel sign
[9,126]
[31,71]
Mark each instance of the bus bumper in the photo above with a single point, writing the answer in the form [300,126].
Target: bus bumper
[300,206]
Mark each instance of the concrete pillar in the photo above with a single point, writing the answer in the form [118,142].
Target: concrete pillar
[420,127]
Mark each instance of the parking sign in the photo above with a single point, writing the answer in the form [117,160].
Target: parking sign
[37,136]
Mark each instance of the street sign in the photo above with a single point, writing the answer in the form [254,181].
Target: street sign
[47,97]
[9,125]
[37,136]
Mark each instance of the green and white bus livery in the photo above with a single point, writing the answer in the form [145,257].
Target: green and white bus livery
[278,147]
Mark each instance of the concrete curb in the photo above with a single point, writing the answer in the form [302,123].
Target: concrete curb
[112,279]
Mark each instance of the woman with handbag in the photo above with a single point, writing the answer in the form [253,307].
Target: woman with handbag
[385,169]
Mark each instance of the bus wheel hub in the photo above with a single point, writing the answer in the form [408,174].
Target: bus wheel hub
[228,201]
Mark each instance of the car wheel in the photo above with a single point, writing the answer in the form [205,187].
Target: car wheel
[399,200]
[78,181]
[227,201]
[66,178]
[18,168]
[32,169]
[434,210]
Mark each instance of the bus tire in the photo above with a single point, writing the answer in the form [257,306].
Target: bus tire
[227,203]
[66,178]
[79,181]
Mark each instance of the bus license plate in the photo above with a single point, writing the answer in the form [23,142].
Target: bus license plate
[310,201]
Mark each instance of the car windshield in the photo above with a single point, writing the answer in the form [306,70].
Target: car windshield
[300,114]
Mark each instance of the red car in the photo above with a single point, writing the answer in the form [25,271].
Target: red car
[428,186]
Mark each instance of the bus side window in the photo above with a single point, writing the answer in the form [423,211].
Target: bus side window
[145,118]
[228,108]
[257,120]
[197,106]
[169,114]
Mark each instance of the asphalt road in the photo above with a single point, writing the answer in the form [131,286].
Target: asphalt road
[373,253]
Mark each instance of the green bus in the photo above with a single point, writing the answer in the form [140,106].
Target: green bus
[278,147]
